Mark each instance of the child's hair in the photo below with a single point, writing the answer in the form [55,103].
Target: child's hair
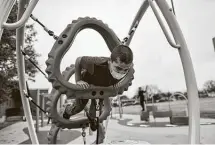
[124,54]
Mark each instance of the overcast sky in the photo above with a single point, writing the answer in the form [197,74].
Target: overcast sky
[156,62]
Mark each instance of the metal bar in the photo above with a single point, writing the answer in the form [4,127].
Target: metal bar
[120,106]
[162,25]
[137,20]
[21,74]
[185,98]
[42,113]
[24,17]
[37,111]
[173,7]
[192,91]
[106,126]
[5,8]
[213,41]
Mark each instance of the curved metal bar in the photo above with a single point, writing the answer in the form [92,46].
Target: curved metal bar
[24,17]
[162,25]
[192,90]
[5,8]
[137,20]
[21,74]
[183,97]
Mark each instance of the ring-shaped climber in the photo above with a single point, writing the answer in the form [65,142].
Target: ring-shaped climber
[109,76]
[62,45]
[109,70]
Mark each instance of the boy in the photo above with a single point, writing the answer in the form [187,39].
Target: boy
[141,94]
[100,71]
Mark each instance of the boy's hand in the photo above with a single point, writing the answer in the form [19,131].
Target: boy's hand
[83,84]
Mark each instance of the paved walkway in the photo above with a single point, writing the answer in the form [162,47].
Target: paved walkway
[120,131]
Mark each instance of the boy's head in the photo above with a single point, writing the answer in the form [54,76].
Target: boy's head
[121,61]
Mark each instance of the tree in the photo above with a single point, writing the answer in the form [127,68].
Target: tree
[8,68]
[152,90]
[209,86]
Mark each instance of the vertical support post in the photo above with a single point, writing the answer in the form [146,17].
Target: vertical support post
[192,91]
[120,107]
[43,107]
[106,126]
[37,111]
[213,41]
[137,19]
[21,73]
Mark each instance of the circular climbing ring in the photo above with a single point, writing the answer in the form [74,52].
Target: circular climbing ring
[58,120]
[52,135]
[62,45]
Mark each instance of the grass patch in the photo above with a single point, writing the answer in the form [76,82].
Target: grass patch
[207,114]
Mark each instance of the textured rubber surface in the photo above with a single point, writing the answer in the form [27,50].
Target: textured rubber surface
[53,98]
[60,48]
[52,135]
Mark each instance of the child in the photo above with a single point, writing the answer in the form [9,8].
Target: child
[100,71]
[141,94]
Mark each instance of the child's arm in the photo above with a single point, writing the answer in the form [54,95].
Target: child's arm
[83,63]
[78,69]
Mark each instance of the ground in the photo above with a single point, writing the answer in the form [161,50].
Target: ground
[129,129]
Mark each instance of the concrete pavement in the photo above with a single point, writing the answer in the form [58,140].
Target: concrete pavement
[128,130]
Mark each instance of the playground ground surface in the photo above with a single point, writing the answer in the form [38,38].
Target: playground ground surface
[207,107]
[127,130]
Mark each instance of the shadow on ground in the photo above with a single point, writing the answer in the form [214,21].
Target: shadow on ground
[125,122]
[129,123]
[66,136]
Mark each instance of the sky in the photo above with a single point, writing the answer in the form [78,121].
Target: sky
[155,61]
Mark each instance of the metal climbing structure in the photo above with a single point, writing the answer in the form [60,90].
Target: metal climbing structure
[62,44]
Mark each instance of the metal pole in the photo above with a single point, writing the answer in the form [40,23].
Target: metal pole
[192,91]
[43,107]
[137,19]
[21,74]
[106,126]
[38,111]
[120,107]
[213,41]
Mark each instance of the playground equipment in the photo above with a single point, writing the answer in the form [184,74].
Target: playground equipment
[176,117]
[117,104]
[71,90]
[40,97]
[160,114]
[179,117]
[154,111]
